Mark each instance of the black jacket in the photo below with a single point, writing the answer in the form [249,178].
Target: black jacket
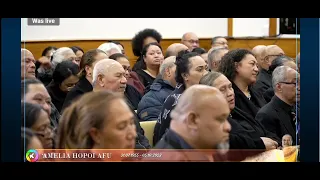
[251,106]
[264,81]
[277,118]
[252,127]
[268,94]
[164,118]
[82,87]
[145,78]
[57,96]
[133,97]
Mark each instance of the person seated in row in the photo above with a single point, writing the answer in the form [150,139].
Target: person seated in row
[240,67]
[278,116]
[109,74]
[84,85]
[151,103]
[64,78]
[199,121]
[190,67]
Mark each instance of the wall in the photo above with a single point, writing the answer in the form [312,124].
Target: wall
[125,28]
[243,27]
[290,46]
[122,28]
[90,33]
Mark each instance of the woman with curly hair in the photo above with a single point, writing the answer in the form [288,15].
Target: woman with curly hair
[141,39]
[240,67]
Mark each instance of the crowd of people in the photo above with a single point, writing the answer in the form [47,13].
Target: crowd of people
[221,98]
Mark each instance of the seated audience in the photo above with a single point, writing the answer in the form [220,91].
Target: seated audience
[174,49]
[240,67]
[191,40]
[141,39]
[259,52]
[90,123]
[199,121]
[264,77]
[44,64]
[110,75]
[152,55]
[88,60]
[215,56]
[151,103]
[27,65]
[109,48]
[277,116]
[120,46]
[132,78]
[202,52]
[37,119]
[132,95]
[78,52]
[219,41]
[242,135]
[190,67]
[64,78]
[33,91]
[279,61]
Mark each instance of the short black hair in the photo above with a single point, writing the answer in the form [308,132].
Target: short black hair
[227,64]
[29,114]
[199,50]
[144,53]
[137,40]
[279,61]
[76,48]
[25,86]
[49,48]
[183,64]
[117,55]
[64,70]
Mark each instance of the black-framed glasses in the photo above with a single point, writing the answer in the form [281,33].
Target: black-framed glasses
[289,83]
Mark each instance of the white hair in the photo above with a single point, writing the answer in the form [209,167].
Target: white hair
[107,47]
[279,75]
[60,55]
[167,63]
[100,68]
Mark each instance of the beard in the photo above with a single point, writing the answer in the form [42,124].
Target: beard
[223,147]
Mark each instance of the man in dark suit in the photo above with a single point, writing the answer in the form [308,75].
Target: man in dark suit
[264,77]
[278,116]
[199,121]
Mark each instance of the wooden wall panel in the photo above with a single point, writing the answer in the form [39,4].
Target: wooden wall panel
[290,46]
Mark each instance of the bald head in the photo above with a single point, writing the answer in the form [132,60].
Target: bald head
[109,74]
[271,53]
[191,40]
[259,52]
[200,117]
[286,140]
[196,98]
[28,67]
[175,48]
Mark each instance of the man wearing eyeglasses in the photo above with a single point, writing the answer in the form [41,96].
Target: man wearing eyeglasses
[264,77]
[278,116]
[219,41]
[191,40]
